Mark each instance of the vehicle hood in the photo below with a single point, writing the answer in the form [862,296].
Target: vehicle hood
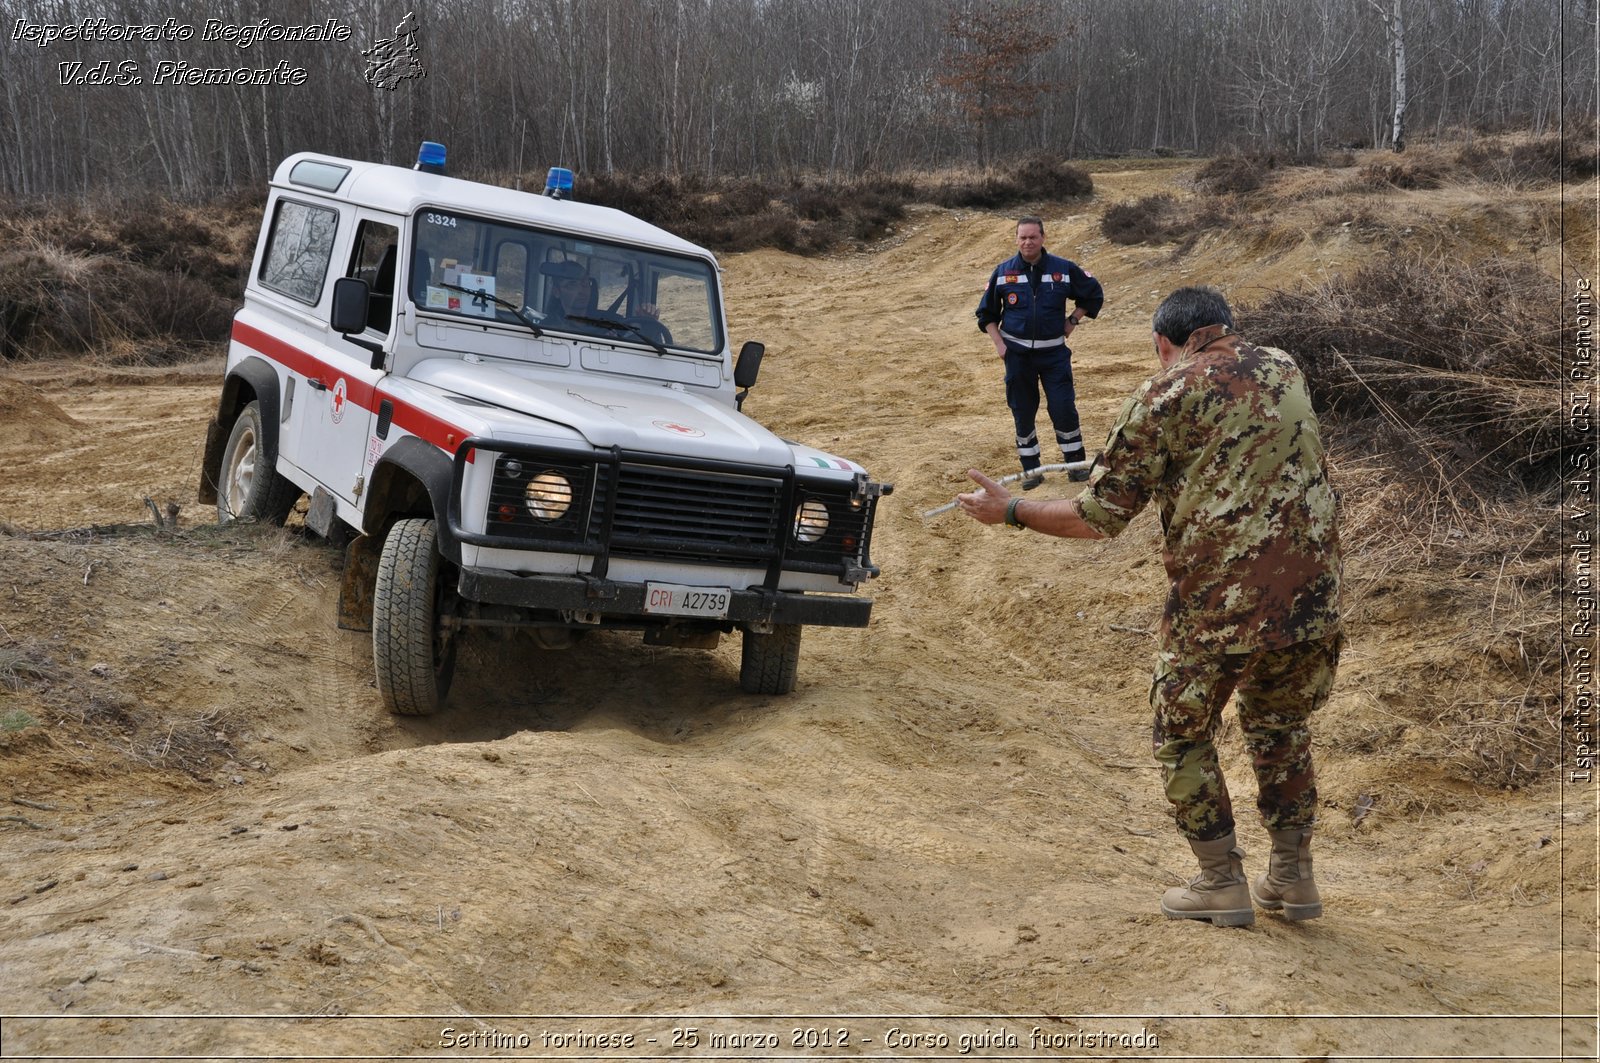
[650,418]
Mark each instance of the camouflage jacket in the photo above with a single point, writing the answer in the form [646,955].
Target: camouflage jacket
[1226,443]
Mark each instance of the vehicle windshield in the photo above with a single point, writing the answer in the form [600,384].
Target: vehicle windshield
[582,286]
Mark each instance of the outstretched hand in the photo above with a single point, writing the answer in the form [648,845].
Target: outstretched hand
[987,505]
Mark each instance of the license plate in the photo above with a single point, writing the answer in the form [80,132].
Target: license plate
[674,599]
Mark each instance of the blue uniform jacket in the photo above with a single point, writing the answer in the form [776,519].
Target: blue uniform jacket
[1028,313]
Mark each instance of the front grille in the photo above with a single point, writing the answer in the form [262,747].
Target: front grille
[689,514]
[645,507]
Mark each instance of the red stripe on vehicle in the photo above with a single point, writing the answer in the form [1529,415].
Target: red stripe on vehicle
[440,433]
[420,423]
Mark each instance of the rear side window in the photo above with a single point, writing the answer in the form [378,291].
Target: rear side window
[299,249]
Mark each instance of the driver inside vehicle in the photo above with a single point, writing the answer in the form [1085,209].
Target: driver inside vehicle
[572,299]
[571,292]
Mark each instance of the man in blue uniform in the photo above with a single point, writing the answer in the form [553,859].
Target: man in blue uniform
[1024,311]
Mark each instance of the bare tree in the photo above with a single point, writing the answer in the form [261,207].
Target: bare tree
[988,65]
[1394,27]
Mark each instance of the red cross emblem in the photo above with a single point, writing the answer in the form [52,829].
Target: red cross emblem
[339,391]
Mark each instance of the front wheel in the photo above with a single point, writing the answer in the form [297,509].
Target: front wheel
[769,662]
[250,487]
[412,650]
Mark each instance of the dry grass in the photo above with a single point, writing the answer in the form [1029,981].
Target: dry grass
[1520,161]
[24,664]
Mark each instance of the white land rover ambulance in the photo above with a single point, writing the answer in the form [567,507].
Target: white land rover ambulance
[525,407]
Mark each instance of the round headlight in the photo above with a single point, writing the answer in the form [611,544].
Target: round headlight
[810,521]
[548,496]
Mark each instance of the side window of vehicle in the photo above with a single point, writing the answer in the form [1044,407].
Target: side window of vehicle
[299,250]
[373,259]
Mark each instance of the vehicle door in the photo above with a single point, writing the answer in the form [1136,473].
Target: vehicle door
[341,399]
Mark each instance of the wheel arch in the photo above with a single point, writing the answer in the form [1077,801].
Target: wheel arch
[252,380]
[412,479]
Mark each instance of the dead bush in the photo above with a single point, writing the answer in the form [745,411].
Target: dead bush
[1035,179]
[1384,175]
[1161,218]
[150,304]
[1461,357]
[1144,221]
[47,302]
[1532,162]
[804,216]
[53,301]
[153,230]
[1233,174]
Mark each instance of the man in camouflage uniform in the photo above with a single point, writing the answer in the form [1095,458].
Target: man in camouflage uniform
[1223,439]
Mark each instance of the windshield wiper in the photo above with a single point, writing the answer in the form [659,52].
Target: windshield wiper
[533,326]
[617,325]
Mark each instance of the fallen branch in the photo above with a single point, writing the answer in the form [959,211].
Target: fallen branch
[30,824]
[168,950]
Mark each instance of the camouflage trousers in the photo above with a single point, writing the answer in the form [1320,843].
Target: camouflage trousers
[1276,691]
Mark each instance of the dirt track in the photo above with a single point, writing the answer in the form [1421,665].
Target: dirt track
[955,814]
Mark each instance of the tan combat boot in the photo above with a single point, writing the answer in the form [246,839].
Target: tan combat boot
[1219,893]
[1288,885]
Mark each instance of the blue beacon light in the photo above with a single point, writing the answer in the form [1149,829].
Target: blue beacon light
[559,184]
[430,157]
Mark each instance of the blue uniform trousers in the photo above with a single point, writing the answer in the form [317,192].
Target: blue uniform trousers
[1026,371]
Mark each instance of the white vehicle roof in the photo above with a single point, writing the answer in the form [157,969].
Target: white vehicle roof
[401,191]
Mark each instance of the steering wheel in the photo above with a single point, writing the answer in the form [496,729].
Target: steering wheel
[652,328]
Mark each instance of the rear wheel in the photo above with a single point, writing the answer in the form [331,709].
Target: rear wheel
[413,652]
[769,662]
[250,487]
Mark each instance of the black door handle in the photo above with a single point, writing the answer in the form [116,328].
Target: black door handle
[315,385]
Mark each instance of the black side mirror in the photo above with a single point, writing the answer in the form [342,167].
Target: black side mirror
[352,301]
[746,368]
[748,365]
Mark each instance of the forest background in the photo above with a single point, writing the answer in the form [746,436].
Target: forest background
[776,88]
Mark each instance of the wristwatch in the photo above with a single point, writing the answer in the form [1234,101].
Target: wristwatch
[1012,520]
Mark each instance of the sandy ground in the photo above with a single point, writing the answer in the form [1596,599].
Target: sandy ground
[949,836]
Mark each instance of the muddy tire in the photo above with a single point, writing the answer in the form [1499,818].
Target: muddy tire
[413,654]
[769,662]
[248,484]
